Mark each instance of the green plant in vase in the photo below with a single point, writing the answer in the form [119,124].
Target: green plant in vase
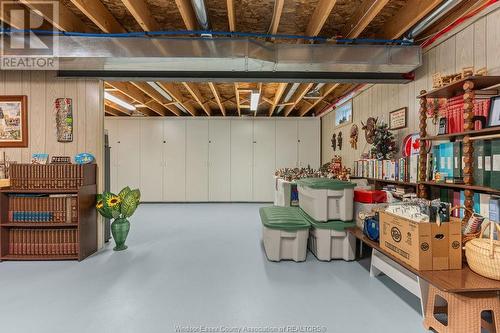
[119,208]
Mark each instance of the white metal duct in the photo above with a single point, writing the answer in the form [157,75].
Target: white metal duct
[231,58]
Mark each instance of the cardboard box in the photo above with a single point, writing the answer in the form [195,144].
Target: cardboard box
[423,246]
[4,183]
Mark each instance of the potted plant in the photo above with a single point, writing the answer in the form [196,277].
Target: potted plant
[119,208]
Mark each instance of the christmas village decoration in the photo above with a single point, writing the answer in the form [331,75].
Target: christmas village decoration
[353,137]
[331,170]
[440,80]
[334,141]
[339,140]
[369,129]
[384,143]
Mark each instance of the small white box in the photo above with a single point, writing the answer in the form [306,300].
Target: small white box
[285,245]
[324,204]
[328,244]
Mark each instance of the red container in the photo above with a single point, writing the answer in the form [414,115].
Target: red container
[370,196]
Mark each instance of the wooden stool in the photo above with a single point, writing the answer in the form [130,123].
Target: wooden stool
[464,311]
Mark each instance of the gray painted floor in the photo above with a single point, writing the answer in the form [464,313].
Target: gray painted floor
[198,264]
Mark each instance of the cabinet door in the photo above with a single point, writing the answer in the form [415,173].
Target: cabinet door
[128,168]
[309,143]
[112,126]
[286,143]
[151,159]
[264,163]
[174,156]
[197,160]
[219,160]
[241,160]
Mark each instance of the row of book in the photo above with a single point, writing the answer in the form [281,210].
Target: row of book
[43,241]
[50,176]
[404,169]
[398,191]
[61,208]
[484,204]
[453,110]
[446,159]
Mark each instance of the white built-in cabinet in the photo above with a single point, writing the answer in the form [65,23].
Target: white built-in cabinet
[210,159]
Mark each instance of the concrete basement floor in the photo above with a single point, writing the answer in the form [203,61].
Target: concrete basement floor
[198,264]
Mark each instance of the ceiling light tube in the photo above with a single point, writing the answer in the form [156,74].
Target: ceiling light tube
[254,100]
[118,101]
[160,90]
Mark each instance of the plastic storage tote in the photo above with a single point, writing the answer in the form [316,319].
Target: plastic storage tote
[329,240]
[285,193]
[284,233]
[326,199]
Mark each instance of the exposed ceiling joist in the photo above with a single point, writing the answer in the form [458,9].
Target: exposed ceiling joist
[187,13]
[115,109]
[275,21]
[231,16]
[297,96]
[193,90]
[326,90]
[237,96]
[140,11]
[277,97]
[318,19]
[157,97]
[139,96]
[174,92]
[362,17]
[66,21]
[409,15]
[100,15]
[216,94]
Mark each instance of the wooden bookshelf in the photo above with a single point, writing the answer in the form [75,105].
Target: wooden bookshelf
[394,182]
[72,237]
[465,87]
[464,187]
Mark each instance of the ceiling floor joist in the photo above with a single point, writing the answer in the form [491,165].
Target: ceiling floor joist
[157,97]
[297,96]
[100,15]
[187,13]
[141,13]
[216,94]
[362,17]
[195,93]
[318,19]
[174,92]
[139,96]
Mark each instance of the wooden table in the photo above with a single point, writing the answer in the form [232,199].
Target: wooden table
[467,294]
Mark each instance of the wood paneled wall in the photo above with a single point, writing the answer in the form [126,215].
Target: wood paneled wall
[476,43]
[42,88]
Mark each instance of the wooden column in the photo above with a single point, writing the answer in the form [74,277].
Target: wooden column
[422,189]
[468,149]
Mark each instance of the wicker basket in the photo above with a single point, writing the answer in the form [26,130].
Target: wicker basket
[466,237]
[483,255]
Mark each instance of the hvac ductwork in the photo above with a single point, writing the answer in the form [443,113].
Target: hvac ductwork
[230,59]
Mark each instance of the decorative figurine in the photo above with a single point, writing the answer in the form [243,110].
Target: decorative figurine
[339,140]
[334,141]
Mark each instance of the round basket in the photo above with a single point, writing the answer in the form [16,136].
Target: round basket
[483,255]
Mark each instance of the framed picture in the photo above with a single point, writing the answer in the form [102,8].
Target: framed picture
[494,115]
[13,121]
[343,114]
[397,118]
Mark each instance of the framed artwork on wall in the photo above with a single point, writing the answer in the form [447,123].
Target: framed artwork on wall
[494,116]
[397,118]
[13,121]
[343,114]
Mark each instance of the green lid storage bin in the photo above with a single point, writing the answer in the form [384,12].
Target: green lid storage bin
[329,240]
[284,233]
[326,199]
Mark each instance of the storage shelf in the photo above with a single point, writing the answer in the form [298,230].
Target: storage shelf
[38,225]
[395,182]
[39,257]
[456,88]
[464,187]
[40,191]
[485,131]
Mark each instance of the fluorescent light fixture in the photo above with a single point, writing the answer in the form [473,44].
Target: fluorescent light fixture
[183,109]
[254,100]
[160,90]
[118,101]
[288,96]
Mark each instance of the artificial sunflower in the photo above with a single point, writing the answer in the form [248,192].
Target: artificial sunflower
[100,205]
[113,201]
